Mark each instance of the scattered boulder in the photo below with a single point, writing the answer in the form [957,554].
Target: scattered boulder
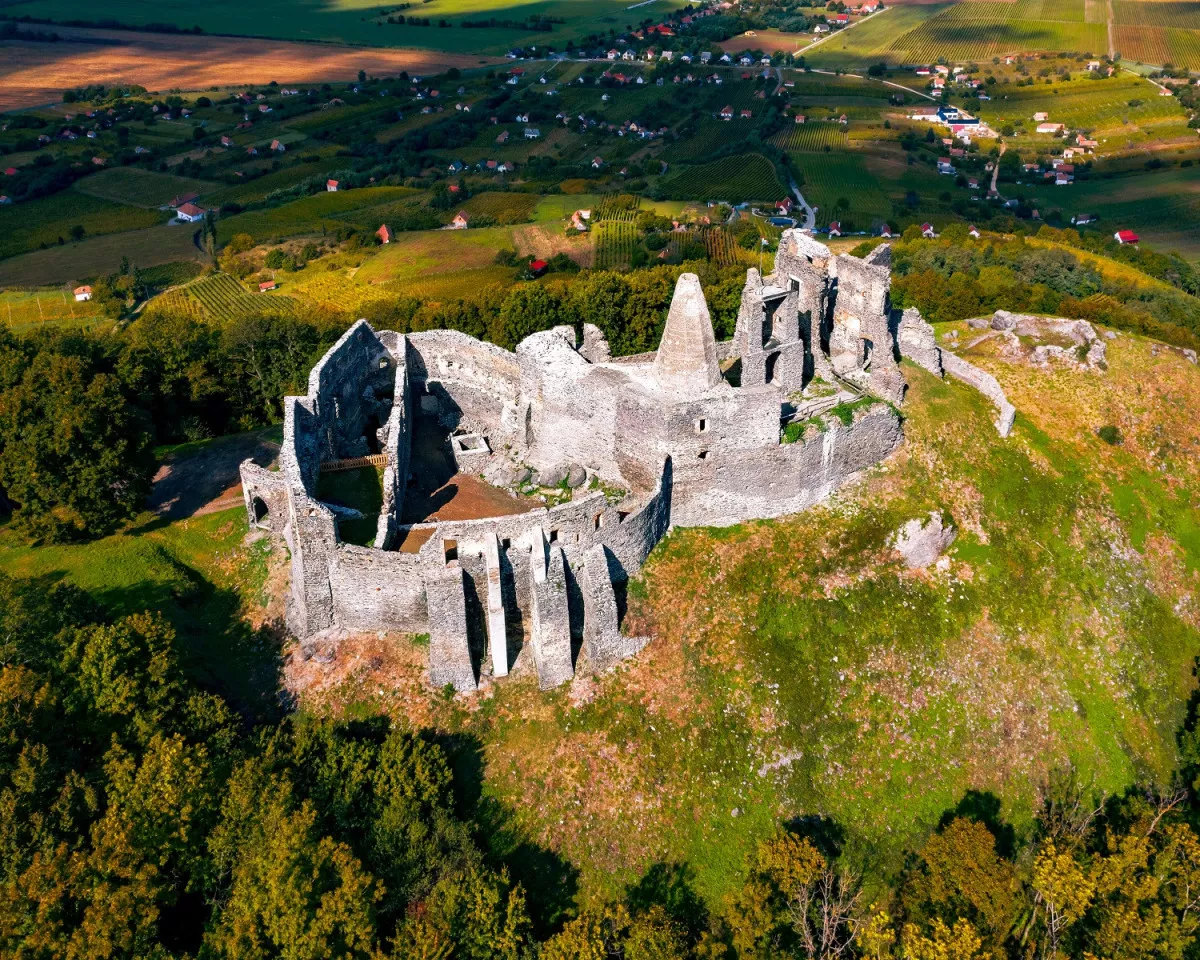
[576,476]
[1189,355]
[978,323]
[922,541]
[552,476]
[1003,320]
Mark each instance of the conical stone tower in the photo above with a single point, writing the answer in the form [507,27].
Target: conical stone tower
[686,363]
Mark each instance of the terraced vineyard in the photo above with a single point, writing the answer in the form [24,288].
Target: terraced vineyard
[978,29]
[220,297]
[732,179]
[721,247]
[830,179]
[811,137]
[615,232]
[1158,45]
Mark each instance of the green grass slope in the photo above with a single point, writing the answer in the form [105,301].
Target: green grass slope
[797,669]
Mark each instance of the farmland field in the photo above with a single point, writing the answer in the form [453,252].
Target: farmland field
[21,310]
[411,256]
[96,256]
[503,208]
[261,187]
[140,188]
[734,179]
[36,73]
[354,21]
[831,178]
[26,226]
[1158,45]
[220,297]
[309,214]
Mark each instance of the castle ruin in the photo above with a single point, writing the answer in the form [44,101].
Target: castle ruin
[697,433]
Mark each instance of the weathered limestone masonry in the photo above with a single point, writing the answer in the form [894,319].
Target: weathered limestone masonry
[689,442]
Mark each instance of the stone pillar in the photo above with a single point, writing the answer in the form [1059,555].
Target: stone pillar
[603,643]
[449,650]
[497,635]
[550,621]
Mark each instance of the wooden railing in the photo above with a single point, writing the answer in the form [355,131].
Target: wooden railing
[353,463]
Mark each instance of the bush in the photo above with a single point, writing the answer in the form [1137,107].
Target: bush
[1110,435]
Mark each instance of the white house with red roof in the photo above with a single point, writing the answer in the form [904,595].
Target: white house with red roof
[190,213]
[331,186]
[928,231]
[83,293]
[1126,237]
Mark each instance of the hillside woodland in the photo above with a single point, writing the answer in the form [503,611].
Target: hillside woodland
[153,808]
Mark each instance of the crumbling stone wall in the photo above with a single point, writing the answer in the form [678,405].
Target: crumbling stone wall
[466,381]
[692,448]
[986,384]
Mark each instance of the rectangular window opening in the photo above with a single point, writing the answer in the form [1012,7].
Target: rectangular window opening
[450,547]
[597,521]
[703,454]
[554,536]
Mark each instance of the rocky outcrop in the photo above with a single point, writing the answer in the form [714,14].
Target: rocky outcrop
[922,540]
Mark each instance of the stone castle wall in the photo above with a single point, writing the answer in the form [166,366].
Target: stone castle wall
[692,449]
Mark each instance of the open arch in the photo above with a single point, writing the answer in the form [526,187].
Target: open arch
[772,362]
[262,512]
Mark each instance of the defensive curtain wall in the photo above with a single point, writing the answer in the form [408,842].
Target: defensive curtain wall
[687,443]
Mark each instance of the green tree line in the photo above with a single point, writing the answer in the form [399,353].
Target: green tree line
[145,816]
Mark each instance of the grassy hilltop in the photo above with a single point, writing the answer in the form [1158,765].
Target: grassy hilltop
[797,670]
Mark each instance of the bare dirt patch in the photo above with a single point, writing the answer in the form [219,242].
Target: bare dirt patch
[198,481]
[32,74]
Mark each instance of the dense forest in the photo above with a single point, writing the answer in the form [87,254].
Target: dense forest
[145,815]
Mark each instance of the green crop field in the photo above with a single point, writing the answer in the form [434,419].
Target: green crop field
[413,256]
[1165,206]
[811,137]
[358,21]
[734,179]
[503,208]
[141,188]
[831,178]
[97,256]
[260,187]
[309,215]
[220,298]
[22,310]
[47,220]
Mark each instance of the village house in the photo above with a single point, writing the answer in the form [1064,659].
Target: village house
[1080,219]
[727,113]
[83,293]
[1050,128]
[267,285]
[532,133]
[886,232]
[928,231]
[384,233]
[331,186]
[460,221]
[835,229]
[973,232]
[179,201]
[190,213]
[1126,237]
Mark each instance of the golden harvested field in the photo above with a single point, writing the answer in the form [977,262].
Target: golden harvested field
[32,74]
